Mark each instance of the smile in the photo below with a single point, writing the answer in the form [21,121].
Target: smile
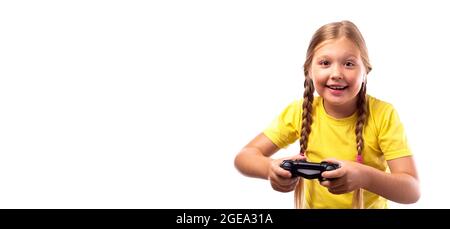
[337,87]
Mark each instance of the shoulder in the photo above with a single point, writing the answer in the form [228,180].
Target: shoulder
[381,112]
[379,107]
[296,103]
[391,136]
[292,111]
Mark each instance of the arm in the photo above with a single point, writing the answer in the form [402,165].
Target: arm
[254,161]
[401,185]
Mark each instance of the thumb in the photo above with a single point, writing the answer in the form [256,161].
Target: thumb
[334,173]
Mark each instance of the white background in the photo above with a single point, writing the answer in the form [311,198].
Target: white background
[138,104]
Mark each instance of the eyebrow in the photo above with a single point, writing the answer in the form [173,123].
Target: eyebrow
[346,56]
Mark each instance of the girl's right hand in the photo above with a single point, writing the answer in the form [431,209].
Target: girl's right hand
[280,179]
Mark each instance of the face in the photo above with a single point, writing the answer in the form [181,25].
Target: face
[337,72]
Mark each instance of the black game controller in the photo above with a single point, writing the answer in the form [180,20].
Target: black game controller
[308,170]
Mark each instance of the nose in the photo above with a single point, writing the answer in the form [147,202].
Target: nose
[336,72]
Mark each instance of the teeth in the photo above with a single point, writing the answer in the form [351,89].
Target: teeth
[337,87]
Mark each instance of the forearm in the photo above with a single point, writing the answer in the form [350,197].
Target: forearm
[253,163]
[398,187]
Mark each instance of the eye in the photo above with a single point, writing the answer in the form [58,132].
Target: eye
[324,62]
[349,64]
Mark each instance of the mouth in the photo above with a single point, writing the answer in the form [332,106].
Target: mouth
[336,87]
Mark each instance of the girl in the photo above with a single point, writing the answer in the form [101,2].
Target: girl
[364,134]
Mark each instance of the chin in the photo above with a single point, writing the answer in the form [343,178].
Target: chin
[335,103]
[335,100]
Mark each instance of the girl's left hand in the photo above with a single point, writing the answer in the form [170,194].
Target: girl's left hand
[347,178]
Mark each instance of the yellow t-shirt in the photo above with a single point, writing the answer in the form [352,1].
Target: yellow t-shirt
[384,139]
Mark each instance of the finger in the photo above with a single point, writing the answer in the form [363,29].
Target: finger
[283,188]
[332,183]
[280,171]
[282,179]
[325,183]
[285,173]
[287,182]
[333,191]
[277,188]
[335,183]
[292,187]
[334,173]
[338,187]
[293,181]
[337,191]
[338,183]
[275,185]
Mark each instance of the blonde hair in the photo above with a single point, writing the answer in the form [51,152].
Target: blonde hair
[327,32]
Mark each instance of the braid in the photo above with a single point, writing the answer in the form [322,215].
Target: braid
[362,117]
[308,98]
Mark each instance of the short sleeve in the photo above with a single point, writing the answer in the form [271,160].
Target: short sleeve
[284,129]
[392,138]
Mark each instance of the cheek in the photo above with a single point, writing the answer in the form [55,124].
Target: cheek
[320,77]
[319,85]
[356,80]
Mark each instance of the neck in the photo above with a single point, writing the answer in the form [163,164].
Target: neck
[341,110]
